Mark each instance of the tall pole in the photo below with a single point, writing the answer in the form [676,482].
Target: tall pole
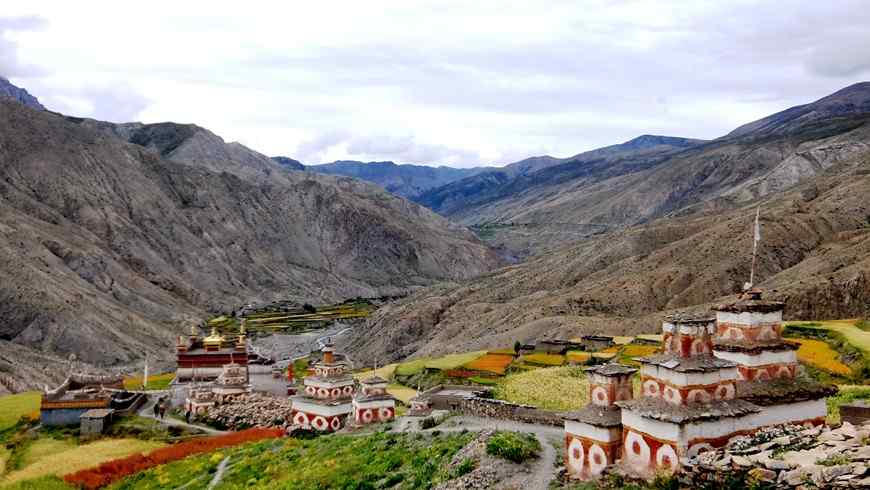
[145,373]
[756,239]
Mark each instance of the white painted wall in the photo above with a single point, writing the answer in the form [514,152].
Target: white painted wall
[763,358]
[603,434]
[748,318]
[712,429]
[688,379]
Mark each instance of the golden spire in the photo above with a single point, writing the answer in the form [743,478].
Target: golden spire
[215,337]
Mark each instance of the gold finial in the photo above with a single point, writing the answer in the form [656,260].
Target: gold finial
[243,329]
[193,330]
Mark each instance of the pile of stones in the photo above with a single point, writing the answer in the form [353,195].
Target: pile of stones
[254,410]
[789,457]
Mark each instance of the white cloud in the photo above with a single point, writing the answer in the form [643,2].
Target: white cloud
[10,63]
[450,82]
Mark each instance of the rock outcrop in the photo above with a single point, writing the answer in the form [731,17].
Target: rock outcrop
[789,457]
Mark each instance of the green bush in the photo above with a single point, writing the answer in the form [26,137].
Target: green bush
[513,446]
[464,468]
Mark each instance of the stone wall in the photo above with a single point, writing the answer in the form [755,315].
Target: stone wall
[499,409]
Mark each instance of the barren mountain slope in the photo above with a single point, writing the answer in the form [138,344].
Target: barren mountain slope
[575,199]
[106,246]
[815,253]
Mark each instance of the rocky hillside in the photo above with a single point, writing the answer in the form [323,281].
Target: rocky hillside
[513,203]
[815,254]
[113,235]
[576,199]
[405,180]
[7,90]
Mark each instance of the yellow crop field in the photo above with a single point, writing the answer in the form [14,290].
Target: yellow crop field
[45,447]
[854,335]
[4,456]
[544,359]
[13,407]
[451,361]
[558,388]
[155,381]
[819,354]
[80,457]
[578,357]
[638,350]
[403,393]
[385,372]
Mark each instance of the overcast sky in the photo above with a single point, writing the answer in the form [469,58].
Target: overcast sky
[458,83]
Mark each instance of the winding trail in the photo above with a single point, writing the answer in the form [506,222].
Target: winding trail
[147,411]
[544,469]
[219,474]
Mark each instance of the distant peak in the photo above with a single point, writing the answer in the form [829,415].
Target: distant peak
[648,140]
[290,163]
[10,91]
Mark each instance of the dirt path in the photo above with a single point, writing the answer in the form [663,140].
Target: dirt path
[147,411]
[544,469]
[219,474]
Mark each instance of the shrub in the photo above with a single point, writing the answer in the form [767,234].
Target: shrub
[513,446]
[464,468]
[834,460]
[428,423]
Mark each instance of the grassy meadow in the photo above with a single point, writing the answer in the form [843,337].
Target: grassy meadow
[380,460]
[13,407]
[49,457]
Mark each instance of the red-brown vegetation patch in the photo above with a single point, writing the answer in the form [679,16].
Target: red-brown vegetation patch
[114,470]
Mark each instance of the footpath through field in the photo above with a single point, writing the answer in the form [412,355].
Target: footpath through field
[148,411]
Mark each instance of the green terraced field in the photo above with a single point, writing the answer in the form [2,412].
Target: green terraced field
[297,320]
[847,328]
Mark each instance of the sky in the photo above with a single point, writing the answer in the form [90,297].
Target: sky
[458,83]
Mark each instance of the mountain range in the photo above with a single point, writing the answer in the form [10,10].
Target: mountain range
[675,232]
[409,181]
[115,236]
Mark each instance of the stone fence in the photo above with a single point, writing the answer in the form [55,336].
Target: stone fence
[500,409]
[476,401]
